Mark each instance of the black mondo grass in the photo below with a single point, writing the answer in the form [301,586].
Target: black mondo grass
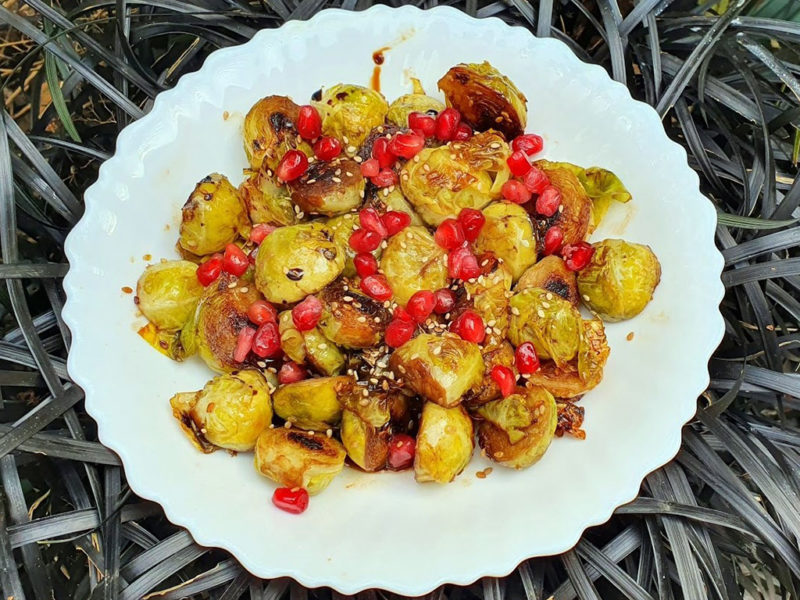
[721,521]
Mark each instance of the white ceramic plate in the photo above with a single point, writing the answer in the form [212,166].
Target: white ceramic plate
[384,530]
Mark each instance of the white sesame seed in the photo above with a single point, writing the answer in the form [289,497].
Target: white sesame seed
[232,285]
[549,296]
[309,182]
[496,331]
[348,173]
[336,180]
[329,433]
[358,159]
[288,424]
[416,158]
[437,351]
[384,244]
[452,156]
[362,319]
[377,319]
[585,297]
[351,149]
[361,193]
[323,345]
[514,311]
[494,145]
[540,312]
[348,298]
[261,364]
[545,304]
[365,392]
[491,322]
[244,290]
[345,140]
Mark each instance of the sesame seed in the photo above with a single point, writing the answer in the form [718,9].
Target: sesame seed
[323,345]
[401,368]
[336,180]
[499,454]
[380,129]
[232,285]
[348,298]
[329,433]
[384,244]
[456,146]
[447,315]
[301,214]
[525,243]
[494,145]
[437,351]
[345,287]
[540,312]
[362,319]
[262,364]
[348,173]
[377,319]
[351,149]
[489,330]
[549,296]
[386,304]
[272,370]
[515,311]
[337,172]
[373,380]
[358,159]
[452,156]
[403,245]
[585,297]
[288,424]
[545,304]
[345,140]
[244,290]
[309,182]
[405,176]
[426,167]
[416,158]
[491,322]
[311,433]
[496,330]
[361,193]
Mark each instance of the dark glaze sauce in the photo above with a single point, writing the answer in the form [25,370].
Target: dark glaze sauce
[378,59]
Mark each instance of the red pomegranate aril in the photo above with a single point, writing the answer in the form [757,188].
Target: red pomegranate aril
[365,240]
[370,168]
[292,500]
[243,343]
[548,201]
[462,264]
[395,221]
[426,124]
[505,380]
[291,372]
[526,359]
[208,272]
[472,221]
[420,305]
[234,261]
[306,314]
[309,123]
[518,163]
[449,234]
[447,124]
[327,148]
[536,180]
[577,256]
[516,192]
[376,286]
[385,178]
[406,145]
[259,232]
[399,331]
[469,326]
[381,152]
[370,219]
[529,143]
[402,314]
[402,448]
[261,312]
[553,238]
[470,268]
[267,341]
[463,133]
[445,301]
[365,264]
[293,164]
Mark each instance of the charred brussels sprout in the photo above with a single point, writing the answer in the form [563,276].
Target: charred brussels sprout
[413,261]
[329,188]
[366,446]
[414,102]
[230,412]
[551,323]
[488,389]
[358,322]
[575,213]
[444,443]
[620,279]
[312,403]
[349,112]
[508,234]
[517,430]
[459,175]
[296,261]
[295,458]
[439,368]
[551,274]
[266,201]
[269,131]
[486,98]
[168,293]
[212,217]
[309,347]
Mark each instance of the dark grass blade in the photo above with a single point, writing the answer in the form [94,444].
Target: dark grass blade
[9,575]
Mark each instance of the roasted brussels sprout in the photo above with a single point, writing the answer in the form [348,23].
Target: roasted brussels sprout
[551,323]
[486,98]
[439,368]
[229,412]
[349,318]
[518,429]
[167,343]
[266,201]
[414,102]
[329,188]
[213,216]
[312,403]
[310,346]
[508,234]
[459,175]
[575,213]
[297,260]
[393,200]
[366,446]
[620,279]
[444,443]
[488,296]
[295,458]
[413,261]
[168,293]
[269,131]
[551,274]
[349,112]
[488,389]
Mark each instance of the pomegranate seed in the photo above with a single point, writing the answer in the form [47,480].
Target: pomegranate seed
[504,378]
[395,221]
[365,240]
[244,343]
[553,238]
[376,286]
[526,359]
[291,372]
[462,264]
[516,192]
[406,145]
[365,264]
[208,272]
[381,151]
[235,260]
[463,132]
[426,124]
[370,219]
[261,312]
[402,314]
[518,163]
[445,301]
[530,144]
[577,256]
[259,232]
[548,201]
[420,305]
[449,234]
[401,451]
[293,164]
[306,314]
[399,331]
[267,341]
[292,500]
[327,148]
[447,124]
[471,222]
[469,326]
[370,168]
[309,123]
[536,180]
[385,178]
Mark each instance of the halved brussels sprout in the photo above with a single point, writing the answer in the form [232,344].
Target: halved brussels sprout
[329,188]
[488,389]
[551,274]
[551,323]
[269,131]
[620,279]
[488,296]
[212,217]
[508,234]
[439,182]
[575,212]
[168,293]
[506,420]
[439,368]
[295,458]
[486,98]
[230,412]
[393,200]
[414,102]
[296,261]
[266,201]
[366,446]
[444,443]
[349,318]
[312,403]
[349,112]
[413,261]
[167,343]
[310,346]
